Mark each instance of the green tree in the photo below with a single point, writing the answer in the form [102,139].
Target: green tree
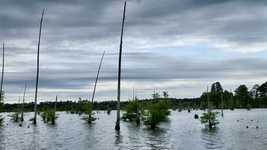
[165,94]
[133,111]
[209,119]
[242,95]
[156,113]
[215,94]
[263,90]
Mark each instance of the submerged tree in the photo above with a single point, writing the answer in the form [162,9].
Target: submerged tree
[90,118]
[37,72]
[209,118]
[1,84]
[117,126]
[88,111]
[156,113]
[49,114]
[23,101]
[133,111]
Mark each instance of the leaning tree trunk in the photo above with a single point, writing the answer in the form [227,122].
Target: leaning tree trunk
[99,67]
[37,72]
[117,126]
[2,77]
[23,101]
[93,95]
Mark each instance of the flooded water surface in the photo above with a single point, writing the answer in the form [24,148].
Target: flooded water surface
[238,130]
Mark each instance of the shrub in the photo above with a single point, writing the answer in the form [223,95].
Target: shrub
[209,119]
[156,113]
[49,116]
[133,112]
[88,111]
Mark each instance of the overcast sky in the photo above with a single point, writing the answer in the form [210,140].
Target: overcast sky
[176,45]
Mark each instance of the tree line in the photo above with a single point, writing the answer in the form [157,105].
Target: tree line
[219,98]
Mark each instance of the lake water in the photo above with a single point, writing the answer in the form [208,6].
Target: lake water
[181,132]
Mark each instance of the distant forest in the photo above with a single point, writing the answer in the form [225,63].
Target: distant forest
[217,97]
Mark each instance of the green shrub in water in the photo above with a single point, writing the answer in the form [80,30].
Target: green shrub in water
[133,112]
[49,116]
[209,119]
[15,117]
[88,111]
[156,113]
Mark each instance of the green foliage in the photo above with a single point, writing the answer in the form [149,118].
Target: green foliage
[209,119]
[155,96]
[242,95]
[15,117]
[263,90]
[133,112]
[156,113]
[165,94]
[108,110]
[49,116]
[88,111]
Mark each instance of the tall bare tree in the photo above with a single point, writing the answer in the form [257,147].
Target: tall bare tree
[117,126]
[37,72]
[99,67]
[23,101]
[2,77]
[55,106]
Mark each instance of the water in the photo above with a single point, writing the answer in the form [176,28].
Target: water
[181,132]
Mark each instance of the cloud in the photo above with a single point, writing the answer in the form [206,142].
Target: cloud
[169,45]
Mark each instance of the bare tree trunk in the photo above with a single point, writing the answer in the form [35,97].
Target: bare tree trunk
[37,73]
[208,99]
[2,77]
[99,67]
[23,101]
[55,106]
[117,126]
[222,105]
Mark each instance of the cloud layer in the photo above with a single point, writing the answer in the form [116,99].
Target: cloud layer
[180,46]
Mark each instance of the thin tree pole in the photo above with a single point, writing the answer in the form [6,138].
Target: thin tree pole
[99,67]
[117,126]
[2,77]
[37,73]
[23,101]
[133,94]
[208,99]
[222,105]
[55,106]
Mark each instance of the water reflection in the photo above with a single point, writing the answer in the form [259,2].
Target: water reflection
[2,142]
[118,137]
[35,138]
[182,132]
[211,138]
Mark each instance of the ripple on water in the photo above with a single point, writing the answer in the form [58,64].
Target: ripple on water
[211,138]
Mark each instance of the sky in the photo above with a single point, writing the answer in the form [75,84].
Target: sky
[179,46]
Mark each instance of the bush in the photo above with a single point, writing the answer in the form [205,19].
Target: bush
[87,109]
[156,113]
[49,116]
[15,117]
[133,112]
[209,119]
